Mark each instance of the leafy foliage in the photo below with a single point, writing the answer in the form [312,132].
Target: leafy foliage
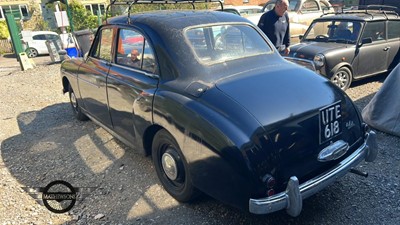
[4,34]
[82,18]
[138,8]
[36,22]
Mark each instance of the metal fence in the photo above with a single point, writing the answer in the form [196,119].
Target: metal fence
[5,46]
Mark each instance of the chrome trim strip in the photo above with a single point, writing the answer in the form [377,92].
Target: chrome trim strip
[290,200]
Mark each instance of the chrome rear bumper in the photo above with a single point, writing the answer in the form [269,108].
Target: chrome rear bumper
[292,198]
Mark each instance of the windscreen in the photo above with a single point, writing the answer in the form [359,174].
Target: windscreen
[334,31]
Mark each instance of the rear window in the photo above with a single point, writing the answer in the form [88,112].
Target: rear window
[213,44]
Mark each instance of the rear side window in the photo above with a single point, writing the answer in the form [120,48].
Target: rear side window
[324,6]
[52,37]
[393,29]
[310,6]
[135,51]
[103,45]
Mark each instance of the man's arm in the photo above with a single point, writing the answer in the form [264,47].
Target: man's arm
[261,23]
[286,39]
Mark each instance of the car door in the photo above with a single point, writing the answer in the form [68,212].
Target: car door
[39,43]
[93,76]
[131,86]
[372,57]
[393,31]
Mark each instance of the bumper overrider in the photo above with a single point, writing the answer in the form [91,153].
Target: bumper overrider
[302,62]
[292,198]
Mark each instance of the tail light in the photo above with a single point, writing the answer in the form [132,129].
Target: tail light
[270,183]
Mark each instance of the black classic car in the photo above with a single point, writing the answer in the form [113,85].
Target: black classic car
[351,45]
[219,110]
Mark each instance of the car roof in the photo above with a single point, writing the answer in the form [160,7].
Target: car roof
[43,32]
[242,7]
[167,19]
[360,15]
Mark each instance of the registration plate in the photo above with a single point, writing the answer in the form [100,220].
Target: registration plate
[330,122]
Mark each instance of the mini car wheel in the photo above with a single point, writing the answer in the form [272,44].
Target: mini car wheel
[171,168]
[75,107]
[342,78]
[32,53]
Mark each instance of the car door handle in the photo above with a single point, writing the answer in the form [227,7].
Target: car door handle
[386,48]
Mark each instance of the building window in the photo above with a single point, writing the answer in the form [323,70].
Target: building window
[94,8]
[18,11]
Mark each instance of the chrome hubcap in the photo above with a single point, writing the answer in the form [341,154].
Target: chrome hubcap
[340,79]
[32,53]
[169,166]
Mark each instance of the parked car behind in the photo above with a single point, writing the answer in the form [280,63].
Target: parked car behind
[243,10]
[219,110]
[34,42]
[351,45]
[301,14]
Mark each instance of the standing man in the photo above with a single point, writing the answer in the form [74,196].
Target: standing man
[275,24]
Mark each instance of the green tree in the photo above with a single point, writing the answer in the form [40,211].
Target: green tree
[4,34]
[82,18]
[36,21]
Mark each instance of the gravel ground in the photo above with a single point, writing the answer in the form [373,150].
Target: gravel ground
[42,142]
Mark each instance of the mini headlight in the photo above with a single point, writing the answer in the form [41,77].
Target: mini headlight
[319,60]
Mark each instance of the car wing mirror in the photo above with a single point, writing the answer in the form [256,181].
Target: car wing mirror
[366,40]
[301,37]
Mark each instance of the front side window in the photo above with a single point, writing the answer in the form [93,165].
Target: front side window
[375,31]
[213,44]
[104,45]
[39,37]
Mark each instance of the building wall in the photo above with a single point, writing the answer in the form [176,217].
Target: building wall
[16,2]
[47,14]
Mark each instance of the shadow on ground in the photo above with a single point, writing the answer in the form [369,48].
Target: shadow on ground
[52,145]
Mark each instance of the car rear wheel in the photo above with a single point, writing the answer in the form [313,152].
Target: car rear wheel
[75,106]
[342,78]
[32,53]
[171,167]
